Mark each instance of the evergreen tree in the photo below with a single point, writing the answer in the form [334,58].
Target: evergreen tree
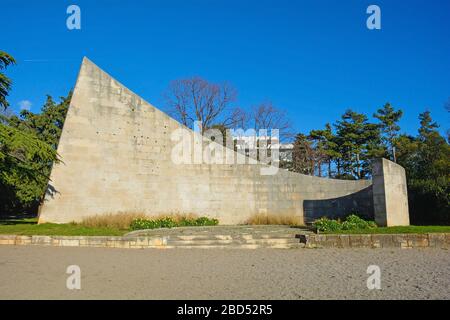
[326,146]
[426,159]
[24,163]
[5,82]
[47,124]
[433,150]
[427,125]
[28,146]
[358,142]
[389,119]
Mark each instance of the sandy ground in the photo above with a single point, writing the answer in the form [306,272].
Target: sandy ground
[31,272]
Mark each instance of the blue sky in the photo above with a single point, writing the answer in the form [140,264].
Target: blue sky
[313,58]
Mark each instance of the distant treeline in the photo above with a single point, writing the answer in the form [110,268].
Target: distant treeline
[346,149]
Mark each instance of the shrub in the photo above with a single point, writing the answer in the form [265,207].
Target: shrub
[327,225]
[166,222]
[171,222]
[204,221]
[352,222]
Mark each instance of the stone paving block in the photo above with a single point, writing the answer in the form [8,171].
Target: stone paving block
[344,240]
[7,241]
[385,240]
[331,241]
[70,242]
[360,241]
[96,242]
[447,240]
[418,240]
[400,241]
[121,244]
[375,241]
[23,240]
[7,237]
[437,240]
[41,240]
[158,242]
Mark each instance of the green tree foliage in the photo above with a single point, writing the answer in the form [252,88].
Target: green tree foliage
[326,146]
[358,143]
[28,144]
[24,162]
[5,82]
[348,147]
[47,124]
[426,159]
[389,118]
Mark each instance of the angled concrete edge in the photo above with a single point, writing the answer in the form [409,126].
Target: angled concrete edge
[121,154]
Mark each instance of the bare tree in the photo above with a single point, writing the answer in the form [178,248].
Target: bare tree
[196,99]
[303,155]
[267,116]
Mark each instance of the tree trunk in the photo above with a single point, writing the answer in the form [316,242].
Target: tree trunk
[357,166]
[319,167]
[329,168]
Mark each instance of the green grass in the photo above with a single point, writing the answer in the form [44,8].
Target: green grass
[29,226]
[391,230]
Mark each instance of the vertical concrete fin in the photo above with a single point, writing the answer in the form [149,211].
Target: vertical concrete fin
[390,194]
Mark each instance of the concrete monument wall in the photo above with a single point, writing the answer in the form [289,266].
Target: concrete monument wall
[117,156]
[390,195]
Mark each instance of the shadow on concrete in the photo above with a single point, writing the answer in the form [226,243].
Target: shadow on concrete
[360,202]
[51,191]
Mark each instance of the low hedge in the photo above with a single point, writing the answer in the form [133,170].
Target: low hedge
[352,222]
[169,222]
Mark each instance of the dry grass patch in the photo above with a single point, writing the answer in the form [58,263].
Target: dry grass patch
[274,219]
[123,220]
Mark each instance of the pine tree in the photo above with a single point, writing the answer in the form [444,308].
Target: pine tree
[358,143]
[433,149]
[325,146]
[389,118]
[427,125]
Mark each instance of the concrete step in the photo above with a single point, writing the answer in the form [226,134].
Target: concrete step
[242,237]
[234,243]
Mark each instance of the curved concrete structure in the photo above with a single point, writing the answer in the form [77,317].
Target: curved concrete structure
[117,157]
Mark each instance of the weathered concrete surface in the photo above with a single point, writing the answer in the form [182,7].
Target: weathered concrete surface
[40,273]
[236,237]
[390,195]
[117,157]
[404,241]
